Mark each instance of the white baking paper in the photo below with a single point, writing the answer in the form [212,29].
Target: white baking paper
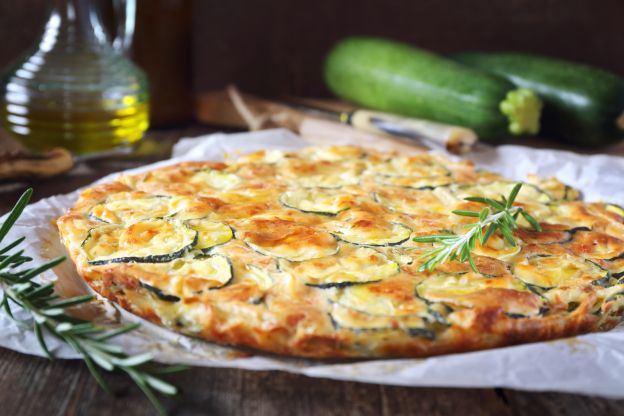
[591,364]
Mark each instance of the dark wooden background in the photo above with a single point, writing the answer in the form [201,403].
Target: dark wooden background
[276,47]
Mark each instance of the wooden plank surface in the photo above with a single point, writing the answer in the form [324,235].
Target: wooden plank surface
[35,386]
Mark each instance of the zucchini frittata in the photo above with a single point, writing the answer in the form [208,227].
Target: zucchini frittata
[311,253]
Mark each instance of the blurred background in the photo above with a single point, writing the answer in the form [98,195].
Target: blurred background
[276,48]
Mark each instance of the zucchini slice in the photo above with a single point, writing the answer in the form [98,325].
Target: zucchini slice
[286,239]
[203,272]
[529,193]
[190,276]
[333,153]
[126,207]
[316,200]
[557,190]
[356,321]
[152,241]
[616,209]
[420,166]
[215,178]
[471,290]
[415,182]
[323,173]
[210,233]
[547,271]
[165,297]
[597,245]
[351,266]
[386,298]
[365,229]
[411,201]
[497,247]
[550,234]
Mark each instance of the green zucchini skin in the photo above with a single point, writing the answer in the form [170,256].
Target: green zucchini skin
[581,103]
[398,78]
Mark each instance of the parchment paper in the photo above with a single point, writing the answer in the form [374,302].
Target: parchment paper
[590,364]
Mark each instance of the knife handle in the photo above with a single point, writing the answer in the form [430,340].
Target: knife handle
[454,139]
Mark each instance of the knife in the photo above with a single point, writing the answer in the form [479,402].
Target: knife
[454,139]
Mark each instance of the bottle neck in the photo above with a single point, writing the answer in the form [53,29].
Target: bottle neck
[73,24]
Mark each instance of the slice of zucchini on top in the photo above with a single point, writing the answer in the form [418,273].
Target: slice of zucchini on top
[185,277]
[333,153]
[384,306]
[414,166]
[528,194]
[151,241]
[497,247]
[321,174]
[411,201]
[473,290]
[550,234]
[215,179]
[597,245]
[391,298]
[317,200]
[350,266]
[127,207]
[286,239]
[415,182]
[615,209]
[203,272]
[356,321]
[368,229]
[210,233]
[552,270]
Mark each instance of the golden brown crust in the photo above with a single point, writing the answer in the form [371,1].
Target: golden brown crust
[317,263]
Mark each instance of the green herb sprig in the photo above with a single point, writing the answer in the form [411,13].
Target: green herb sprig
[497,215]
[47,311]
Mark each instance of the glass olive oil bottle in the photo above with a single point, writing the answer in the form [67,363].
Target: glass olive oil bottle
[74,89]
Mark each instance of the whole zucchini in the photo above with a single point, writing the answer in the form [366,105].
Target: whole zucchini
[398,78]
[582,104]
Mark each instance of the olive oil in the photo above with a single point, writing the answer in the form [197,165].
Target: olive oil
[83,132]
[73,88]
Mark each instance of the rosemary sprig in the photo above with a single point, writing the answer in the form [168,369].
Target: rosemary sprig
[48,316]
[497,215]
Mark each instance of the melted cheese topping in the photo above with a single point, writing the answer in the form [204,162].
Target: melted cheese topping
[411,201]
[323,173]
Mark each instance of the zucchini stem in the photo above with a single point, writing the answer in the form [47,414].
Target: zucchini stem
[523,108]
[619,122]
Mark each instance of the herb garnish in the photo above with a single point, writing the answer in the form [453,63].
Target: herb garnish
[497,215]
[48,316]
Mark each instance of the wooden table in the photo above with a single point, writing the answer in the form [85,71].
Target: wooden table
[35,386]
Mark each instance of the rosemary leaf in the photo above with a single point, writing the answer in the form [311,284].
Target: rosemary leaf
[495,216]
[48,317]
